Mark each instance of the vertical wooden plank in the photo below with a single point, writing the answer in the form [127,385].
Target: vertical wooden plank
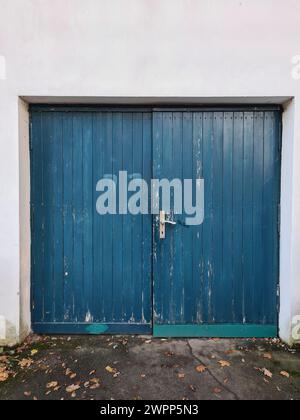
[248,216]
[188,232]
[68,217]
[107,244]
[274,318]
[117,220]
[177,295]
[217,285]
[137,220]
[226,310]
[167,268]
[269,216]
[98,237]
[79,287]
[58,247]
[258,239]
[88,215]
[208,148]
[128,230]
[147,223]
[48,157]
[157,244]
[37,218]
[237,251]
[198,262]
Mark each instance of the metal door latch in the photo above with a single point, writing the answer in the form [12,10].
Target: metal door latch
[163,221]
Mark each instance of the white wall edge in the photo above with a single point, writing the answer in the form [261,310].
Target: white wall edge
[25,228]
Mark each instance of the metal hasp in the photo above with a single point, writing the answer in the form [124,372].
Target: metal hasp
[163,221]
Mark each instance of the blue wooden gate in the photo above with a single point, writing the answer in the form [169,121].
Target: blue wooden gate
[219,278]
[102,274]
[90,273]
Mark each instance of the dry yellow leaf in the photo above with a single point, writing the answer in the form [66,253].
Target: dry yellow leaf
[72,388]
[268,356]
[25,363]
[111,370]
[95,381]
[201,369]
[4,376]
[224,363]
[51,385]
[285,374]
[34,352]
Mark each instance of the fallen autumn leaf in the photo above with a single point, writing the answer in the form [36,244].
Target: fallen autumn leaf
[224,363]
[268,356]
[111,370]
[201,369]
[4,376]
[72,388]
[25,363]
[51,385]
[267,373]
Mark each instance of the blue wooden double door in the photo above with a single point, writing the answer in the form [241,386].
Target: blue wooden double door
[117,273]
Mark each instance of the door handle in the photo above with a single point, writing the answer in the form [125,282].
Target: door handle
[163,221]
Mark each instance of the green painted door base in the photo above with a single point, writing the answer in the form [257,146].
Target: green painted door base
[215,331]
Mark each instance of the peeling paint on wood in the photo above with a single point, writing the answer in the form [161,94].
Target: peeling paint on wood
[93,274]
[225,271]
[88,268]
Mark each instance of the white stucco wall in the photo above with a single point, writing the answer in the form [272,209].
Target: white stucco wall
[90,51]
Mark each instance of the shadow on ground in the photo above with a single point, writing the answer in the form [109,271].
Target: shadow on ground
[139,368]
